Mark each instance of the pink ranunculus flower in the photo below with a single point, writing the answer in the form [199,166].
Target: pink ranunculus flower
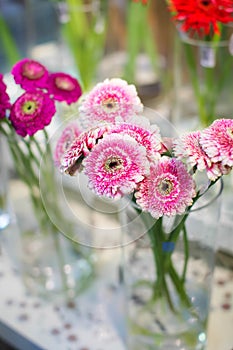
[168,190]
[115,166]
[69,134]
[64,87]
[31,112]
[30,74]
[4,99]
[108,100]
[217,141]
[80,148]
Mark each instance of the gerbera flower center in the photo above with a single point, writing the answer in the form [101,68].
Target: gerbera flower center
[109,104]
[33,70]
[29,107]
[205,3]
[230,132]
[165,187]
[64,83]
[113,164]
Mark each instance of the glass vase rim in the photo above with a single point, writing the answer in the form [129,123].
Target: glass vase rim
[202,43]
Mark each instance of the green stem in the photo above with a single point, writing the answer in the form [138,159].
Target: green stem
[186,253]
[179,286]
[155,233]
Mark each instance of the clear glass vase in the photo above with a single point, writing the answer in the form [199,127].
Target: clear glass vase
[51,266]
[4,197]
[168,269]
[202,80]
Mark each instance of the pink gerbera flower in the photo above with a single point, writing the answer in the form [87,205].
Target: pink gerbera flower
[168,190]
[116,165]
[80,147]
[31,112]
[188,147]
[217,141]
[63,87]
[69,134]
[109,100]
[149,138]
[4,98]
[30,74]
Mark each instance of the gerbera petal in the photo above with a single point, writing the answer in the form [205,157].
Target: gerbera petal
[4,98]
[189,148]
[201,17]
[116,165]
[217,141]
[64,87]
[80,147]
[109,100]
[168,190]
[31,112]
[69,134]
[30,74]
[149,137]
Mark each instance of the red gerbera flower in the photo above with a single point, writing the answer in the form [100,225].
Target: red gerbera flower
[202,16]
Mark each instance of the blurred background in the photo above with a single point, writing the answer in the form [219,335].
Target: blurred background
[97,39]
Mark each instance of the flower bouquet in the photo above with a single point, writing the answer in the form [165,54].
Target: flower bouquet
[205,38]
[24,123]
[164,181]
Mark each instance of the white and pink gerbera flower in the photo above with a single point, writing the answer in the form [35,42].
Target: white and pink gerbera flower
[149,138]
[188,148]
[108,100]
[116,165]
[168,190]
[80,148]
[69,134]
[217,141]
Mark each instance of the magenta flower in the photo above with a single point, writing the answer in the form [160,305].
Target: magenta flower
[30,74]
[63,87]
[31,112]
[168,190]
[69,134]
[4,99]
[109,100]
[116,165]
[149,137]
[217,141]
[81,146]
